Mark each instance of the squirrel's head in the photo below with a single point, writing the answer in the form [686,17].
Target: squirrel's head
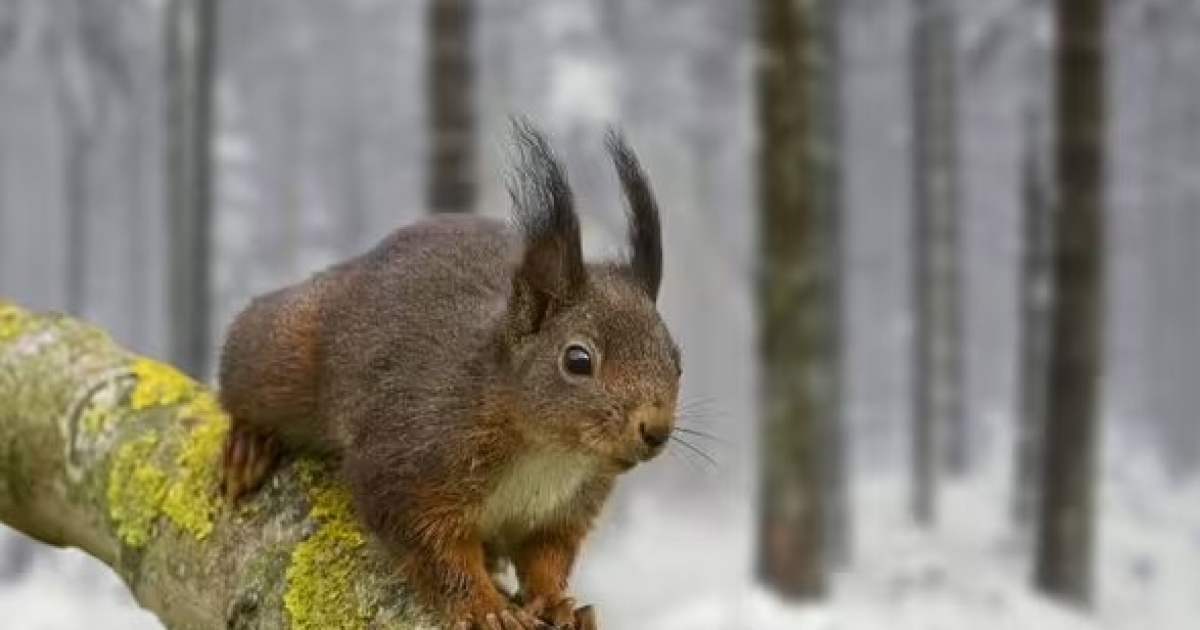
[595,367]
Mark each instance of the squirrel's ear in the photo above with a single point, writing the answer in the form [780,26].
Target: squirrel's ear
[551,272]
[645,231]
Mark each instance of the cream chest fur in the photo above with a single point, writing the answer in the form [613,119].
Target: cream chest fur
[534,489]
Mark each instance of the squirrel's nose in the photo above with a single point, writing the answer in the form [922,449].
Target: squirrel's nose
[654,434]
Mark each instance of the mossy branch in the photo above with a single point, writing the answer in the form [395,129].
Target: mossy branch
[119,456]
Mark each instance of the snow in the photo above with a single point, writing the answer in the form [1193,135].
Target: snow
[968,572]
[68,590]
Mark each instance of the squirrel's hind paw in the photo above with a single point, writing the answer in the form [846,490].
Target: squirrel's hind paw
[249,458]
[558,612]
[513,619]
[585,618]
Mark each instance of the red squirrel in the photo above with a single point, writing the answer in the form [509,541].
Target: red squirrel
[480,385]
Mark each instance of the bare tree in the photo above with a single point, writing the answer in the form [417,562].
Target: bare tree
[1064,554]
[792,310]
[450,79]
[190,74]
[1034,301]
[825,153]
[937,394]
[1034,285]
[88,74]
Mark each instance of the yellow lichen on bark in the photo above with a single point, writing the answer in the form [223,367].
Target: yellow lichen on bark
[159,385]
[321,578]
[185,486]
[192,500]
[14,321]
[136,488]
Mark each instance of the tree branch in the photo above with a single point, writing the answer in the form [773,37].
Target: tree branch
[119,455]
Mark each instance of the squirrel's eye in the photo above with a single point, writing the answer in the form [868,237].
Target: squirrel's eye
[578,361]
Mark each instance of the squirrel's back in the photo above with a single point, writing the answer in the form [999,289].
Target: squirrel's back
[381,328]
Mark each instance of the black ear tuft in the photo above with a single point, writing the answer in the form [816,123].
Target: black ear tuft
[552,269]
[645,231]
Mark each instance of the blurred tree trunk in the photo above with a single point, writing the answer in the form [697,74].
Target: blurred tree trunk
[793,315]
[86,74]
[78,106]
[450,77]
[825,152]
[191,56]
[1064,554]
[937,374]
[1035,308]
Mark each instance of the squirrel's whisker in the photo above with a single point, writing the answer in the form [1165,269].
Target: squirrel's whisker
[687,460]
[697,425]
[696,405]
[700,434]
[699,410]
[693,448]
[697,416]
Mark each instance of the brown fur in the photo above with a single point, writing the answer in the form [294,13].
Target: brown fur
[430,366]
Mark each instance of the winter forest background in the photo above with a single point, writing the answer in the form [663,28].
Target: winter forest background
[320,139]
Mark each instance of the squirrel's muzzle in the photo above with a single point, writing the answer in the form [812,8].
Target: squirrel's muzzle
[654,435]
[653,423]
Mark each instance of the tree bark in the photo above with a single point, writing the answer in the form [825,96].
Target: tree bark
[825,152]
[190,74]
[119,455]
[937,379]
[1035,295]
[793,315]
[1064,556]
[450,70]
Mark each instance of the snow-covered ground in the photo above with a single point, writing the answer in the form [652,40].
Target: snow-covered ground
[67,590]
[970,572]
[664,568]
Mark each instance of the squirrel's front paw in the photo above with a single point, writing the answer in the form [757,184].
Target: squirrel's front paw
[500,618]
[556,610]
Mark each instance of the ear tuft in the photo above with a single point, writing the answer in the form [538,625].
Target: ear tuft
[552,270]
[645,230]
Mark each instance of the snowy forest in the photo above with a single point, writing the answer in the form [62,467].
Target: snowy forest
[930,263]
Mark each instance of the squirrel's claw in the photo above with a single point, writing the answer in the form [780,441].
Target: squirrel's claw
[516,620]
[492,621]
[562,613]
[529,621]
[249,458]
[556,613]
[512,619]
[585,618]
